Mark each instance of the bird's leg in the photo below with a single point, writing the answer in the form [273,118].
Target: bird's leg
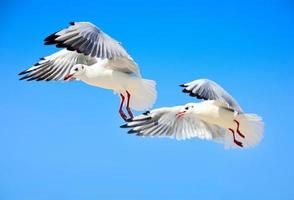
[235,141]
[121,112]
[238,129]
[128,105]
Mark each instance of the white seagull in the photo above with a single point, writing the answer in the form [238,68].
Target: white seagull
[218,118]
[95,58]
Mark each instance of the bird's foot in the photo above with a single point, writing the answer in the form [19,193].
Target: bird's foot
[239,133]
[238,143]
[235,141]
[123,116]
[238,129]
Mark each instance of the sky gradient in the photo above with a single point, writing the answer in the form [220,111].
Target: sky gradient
[63,141]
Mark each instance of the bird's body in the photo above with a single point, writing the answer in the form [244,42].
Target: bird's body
[141,91]
[212,112]
[100,76]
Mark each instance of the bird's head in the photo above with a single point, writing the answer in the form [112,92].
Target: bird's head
[75,71]
[186,110]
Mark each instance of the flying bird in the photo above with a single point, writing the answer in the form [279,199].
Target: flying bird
[90,55]
[218,118]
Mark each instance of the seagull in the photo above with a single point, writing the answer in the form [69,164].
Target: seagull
[90,55]
[218,118]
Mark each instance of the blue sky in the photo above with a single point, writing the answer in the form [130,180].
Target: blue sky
[62,141]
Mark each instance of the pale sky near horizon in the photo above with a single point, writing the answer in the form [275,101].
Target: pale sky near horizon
[63,141]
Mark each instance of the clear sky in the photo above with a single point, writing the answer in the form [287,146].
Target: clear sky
[63,141]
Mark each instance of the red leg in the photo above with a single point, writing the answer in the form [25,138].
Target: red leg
[128,105]
[238,130]
[121,112]
[235,141]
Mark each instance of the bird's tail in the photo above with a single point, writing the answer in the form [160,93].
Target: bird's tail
[143,94]
[251,127]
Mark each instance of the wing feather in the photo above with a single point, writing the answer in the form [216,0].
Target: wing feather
[86,38]
[55,66]
[209,90]
[163,122]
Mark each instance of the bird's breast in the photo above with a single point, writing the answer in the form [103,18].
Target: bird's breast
[106,78]
[214,114]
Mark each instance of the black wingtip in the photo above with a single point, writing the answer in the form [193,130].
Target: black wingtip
[31,79]
[124,126]
[70,48]
[72,23]
[200,97]
[49,42]
[146,113]
[185,91]
[129,120]
[142,119]
[132,131]
[182,85]
[22,73]
[192,95]
[61,45]
[22,78]
[50,39]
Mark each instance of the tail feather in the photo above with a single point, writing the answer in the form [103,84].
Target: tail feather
[143,95]
[251,126]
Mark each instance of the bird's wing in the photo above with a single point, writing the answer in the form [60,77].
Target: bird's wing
[209,90]
[56,66]
[86,38]
[125,65]
[163,122]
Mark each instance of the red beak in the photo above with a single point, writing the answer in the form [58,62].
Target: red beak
[180,114]
[67,77]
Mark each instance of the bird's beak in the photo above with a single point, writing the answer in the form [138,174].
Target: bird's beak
[180,114]
[67,77]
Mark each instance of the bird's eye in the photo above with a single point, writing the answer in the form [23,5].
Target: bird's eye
[187,108]
[82,67]
[76,69]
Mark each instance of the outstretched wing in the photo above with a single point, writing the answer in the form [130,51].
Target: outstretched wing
[163,122]
[86,38]
[209,90]
[56,66]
